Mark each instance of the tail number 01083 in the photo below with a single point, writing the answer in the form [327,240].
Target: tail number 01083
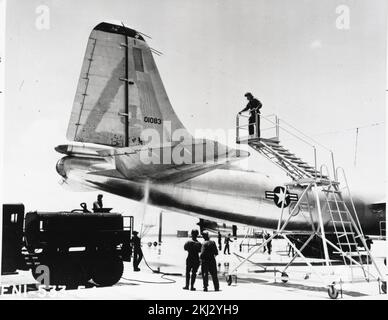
[153,120]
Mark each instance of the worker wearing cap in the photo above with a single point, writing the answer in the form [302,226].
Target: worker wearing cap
[97,205]
[208,260]
[254,106]
[227,241]
[193,247]
[137,252]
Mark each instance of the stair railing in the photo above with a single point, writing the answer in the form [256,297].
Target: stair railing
[278,124]
[341,170]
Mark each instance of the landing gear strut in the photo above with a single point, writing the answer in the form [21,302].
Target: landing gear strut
[229,280]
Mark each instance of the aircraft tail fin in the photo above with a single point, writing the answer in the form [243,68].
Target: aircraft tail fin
[120,92]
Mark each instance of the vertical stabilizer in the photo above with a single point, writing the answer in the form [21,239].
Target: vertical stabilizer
[120,92]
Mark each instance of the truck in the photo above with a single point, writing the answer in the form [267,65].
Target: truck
[75,247]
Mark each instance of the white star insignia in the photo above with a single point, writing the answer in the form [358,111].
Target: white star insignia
[281,196]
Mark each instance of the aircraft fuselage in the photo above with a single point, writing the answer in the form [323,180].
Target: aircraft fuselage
[227,194]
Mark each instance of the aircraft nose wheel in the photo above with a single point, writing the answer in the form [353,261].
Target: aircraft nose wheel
[384,287]
[332,291]
[284,277]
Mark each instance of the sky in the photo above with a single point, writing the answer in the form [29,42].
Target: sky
[324,75]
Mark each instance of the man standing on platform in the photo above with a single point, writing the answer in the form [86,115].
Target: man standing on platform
[254,106]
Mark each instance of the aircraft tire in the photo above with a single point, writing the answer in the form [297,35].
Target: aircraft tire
[384,287]
[332,291]
[284,277]
[107,270]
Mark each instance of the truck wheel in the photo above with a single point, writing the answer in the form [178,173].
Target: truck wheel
[107,270]
[384,287]
[72,274]
[64,272]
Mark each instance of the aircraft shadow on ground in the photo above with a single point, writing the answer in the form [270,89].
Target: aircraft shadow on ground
[297,286]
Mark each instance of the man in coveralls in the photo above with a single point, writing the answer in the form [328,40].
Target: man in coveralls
[97,205]
[137,252]
[219,241]
[254,107]
[227,241]
[193,247]
[207,256]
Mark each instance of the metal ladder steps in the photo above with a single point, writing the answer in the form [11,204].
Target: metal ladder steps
[289,155]
[336,201]
[309,169]
[305,165]
[313,171]
[334,210]
[331,191]
[269,143]
[269,140]
[295,159]
[281,150]
[347,243]
[337,211]
[345,234]
[338,216]
[351,253]
[347,222]
[302,164]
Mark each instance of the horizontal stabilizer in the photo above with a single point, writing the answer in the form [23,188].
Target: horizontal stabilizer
[109,173]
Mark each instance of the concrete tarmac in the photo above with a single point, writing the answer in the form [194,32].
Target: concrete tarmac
[304,283]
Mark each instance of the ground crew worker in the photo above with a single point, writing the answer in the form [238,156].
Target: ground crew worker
[137,252]
[219,241]
[193,247]
[254,107]
[269,243]
[227,240]
[291,250]
[97,205]
[368,242]
[208,260]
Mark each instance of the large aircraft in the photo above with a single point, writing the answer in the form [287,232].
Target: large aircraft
[126,139]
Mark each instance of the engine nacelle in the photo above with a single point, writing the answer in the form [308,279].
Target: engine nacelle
[216,227]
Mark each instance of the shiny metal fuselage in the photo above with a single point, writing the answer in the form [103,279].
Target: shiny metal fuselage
[227,194]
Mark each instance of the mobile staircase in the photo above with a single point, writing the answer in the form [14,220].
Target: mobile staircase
[336,222]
